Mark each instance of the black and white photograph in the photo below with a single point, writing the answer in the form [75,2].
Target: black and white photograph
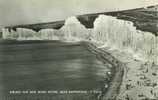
[78,49]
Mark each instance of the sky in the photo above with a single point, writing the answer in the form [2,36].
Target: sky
[15,12]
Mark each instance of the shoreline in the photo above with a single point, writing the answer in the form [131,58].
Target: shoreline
[114,80]
[116,76]
[77,43]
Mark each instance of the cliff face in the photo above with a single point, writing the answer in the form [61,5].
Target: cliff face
[108,30]
[125,31]
[131,35]
[124,36]
[145,19]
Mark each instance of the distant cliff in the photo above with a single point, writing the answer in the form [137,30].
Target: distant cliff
[145,19]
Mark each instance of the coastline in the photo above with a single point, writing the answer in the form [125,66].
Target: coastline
[94,97]
[125,74]
[116,76]
[140,79]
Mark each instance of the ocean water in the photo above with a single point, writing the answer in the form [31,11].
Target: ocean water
[48,65]
[108,31]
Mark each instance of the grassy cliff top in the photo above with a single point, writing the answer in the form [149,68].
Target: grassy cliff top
[145,19]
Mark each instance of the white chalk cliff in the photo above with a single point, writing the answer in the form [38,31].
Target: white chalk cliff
[119,34]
